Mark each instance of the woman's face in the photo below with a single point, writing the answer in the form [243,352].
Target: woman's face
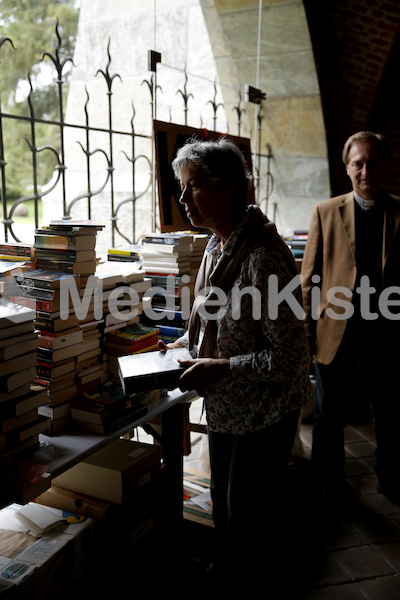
[206,205]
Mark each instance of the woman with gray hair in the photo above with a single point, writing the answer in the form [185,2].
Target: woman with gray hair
[250,367]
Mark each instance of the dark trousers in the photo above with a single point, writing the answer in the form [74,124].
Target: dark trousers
[247,483]
[347,390]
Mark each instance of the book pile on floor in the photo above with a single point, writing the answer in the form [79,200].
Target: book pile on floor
[20,423]
[171,260]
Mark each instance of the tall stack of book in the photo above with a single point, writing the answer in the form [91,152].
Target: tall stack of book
[167,260]
[64,249]
[60,340]
[20,423]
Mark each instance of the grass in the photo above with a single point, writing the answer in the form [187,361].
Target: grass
[29,219]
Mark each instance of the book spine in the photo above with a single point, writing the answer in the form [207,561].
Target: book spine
[116,252]
[167,330]
[44,354]
[14,257]
[47,306]
[45,324]
[169,241]
[120,258]
[170,315]
[15,250]
[63,255]
[41,284]
[53,265]
[46,341]
[44,371]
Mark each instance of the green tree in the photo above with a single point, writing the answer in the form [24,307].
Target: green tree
[34,27]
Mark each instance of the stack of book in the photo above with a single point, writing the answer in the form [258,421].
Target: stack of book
[65,256]
[105,409]
[59,339]
[167,260]
[167,253]
[7,269]
[17,252]
[67,246]
[135,339]
[14,258]
[124,285]
[297,242]
[125,253]
[20,423]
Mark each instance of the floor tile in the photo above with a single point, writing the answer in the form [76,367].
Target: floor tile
[336,592]
[363,562]
[383,588]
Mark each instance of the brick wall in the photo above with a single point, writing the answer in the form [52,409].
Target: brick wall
[357,53]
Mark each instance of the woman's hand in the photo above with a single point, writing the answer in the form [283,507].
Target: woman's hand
[164,347]
[202,372]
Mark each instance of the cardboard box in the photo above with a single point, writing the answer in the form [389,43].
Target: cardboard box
[117,473]
[118,524]
[74,502]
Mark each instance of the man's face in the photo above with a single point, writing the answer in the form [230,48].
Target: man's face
[366,169]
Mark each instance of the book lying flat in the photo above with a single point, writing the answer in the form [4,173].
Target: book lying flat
[152,370]
[39,519]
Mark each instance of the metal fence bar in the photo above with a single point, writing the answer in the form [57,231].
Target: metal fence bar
[107,149]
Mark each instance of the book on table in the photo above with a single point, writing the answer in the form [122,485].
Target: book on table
[152,370]
[44,279]
[40,519]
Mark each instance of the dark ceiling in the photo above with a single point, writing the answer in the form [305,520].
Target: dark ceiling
[357,53]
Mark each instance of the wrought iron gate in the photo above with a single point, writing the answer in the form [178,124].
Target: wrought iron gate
[261,161]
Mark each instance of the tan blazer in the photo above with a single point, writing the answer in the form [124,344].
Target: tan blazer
[330,255]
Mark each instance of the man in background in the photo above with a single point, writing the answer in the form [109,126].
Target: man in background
[354,243]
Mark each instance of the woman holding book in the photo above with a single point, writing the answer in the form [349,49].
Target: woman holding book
[250,367]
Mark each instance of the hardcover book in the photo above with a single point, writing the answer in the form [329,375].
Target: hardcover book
[46,240]
[170,239]
[151,370]
[42,278]
[11,313]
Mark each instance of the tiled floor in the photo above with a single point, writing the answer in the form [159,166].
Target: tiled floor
[352,553]
[355,556]
[361,551]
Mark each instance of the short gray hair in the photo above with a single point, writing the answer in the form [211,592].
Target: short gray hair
[221,161]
